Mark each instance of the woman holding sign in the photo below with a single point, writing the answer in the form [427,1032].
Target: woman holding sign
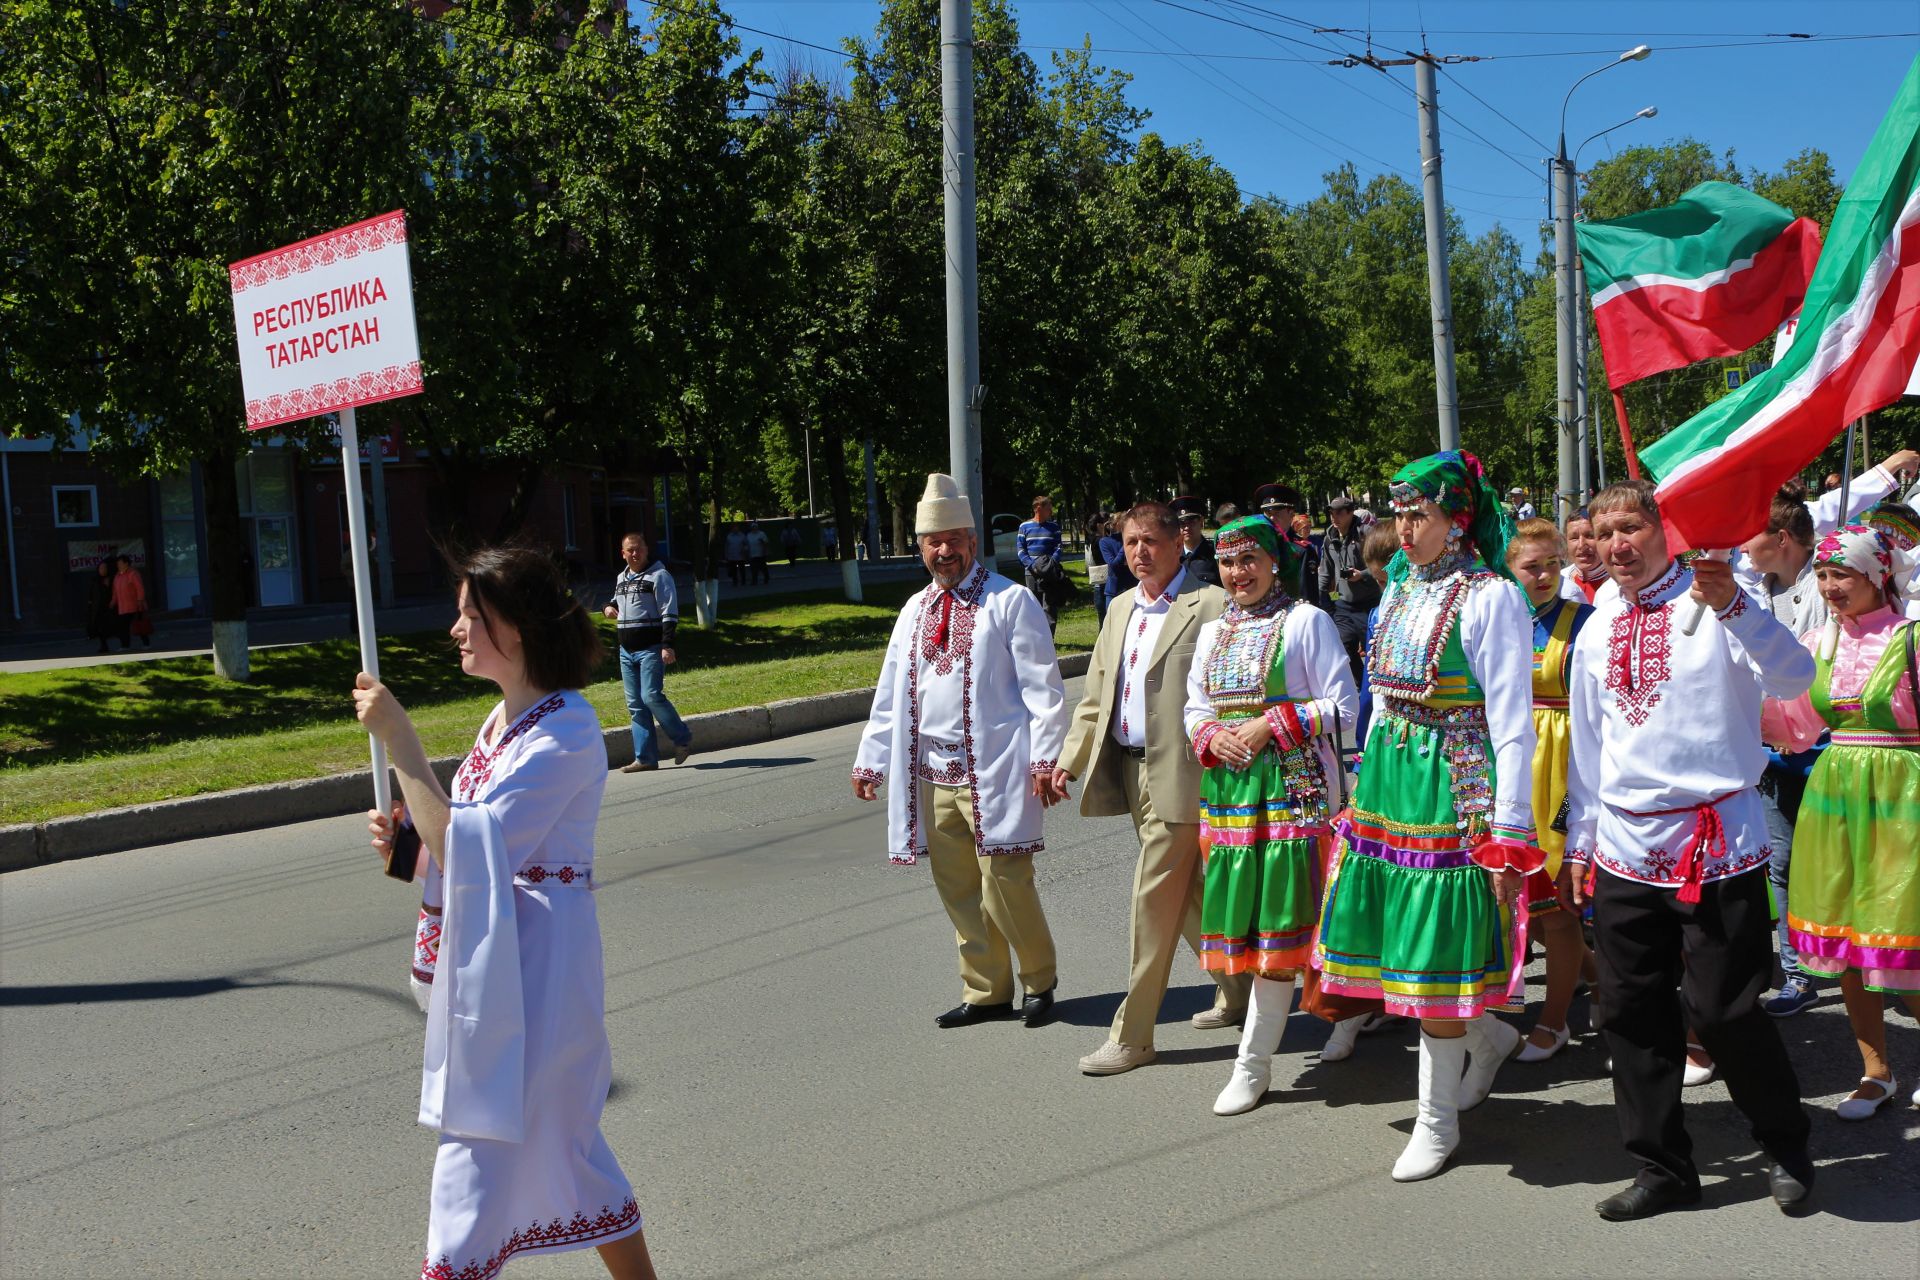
[517,1062]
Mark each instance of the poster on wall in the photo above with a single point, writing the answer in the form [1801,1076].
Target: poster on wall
[85,556]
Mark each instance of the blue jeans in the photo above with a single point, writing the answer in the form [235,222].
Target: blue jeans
[641,673]
[1777,786]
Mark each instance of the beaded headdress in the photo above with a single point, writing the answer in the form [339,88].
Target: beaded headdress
[1249,532]
[1455,482]
[1895,521]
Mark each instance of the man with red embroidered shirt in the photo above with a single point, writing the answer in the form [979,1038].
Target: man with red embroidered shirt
[968,718]
[1668,836]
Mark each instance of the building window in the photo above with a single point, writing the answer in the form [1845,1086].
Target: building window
[75,506]
[568,517]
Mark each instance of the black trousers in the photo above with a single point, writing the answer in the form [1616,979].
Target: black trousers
[1665,966]
[1350,620]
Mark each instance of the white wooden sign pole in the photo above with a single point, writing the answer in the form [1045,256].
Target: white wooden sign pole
[324,326]
[363,592]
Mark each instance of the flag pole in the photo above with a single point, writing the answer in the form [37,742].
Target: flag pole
[363,594]
[1626,435]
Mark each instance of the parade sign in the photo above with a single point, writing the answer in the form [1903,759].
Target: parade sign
[327,324]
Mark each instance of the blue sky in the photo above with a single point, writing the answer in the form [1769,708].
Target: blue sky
[1276,116]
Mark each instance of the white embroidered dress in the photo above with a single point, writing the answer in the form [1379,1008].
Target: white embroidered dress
[1010,713]
[517,1063]
[1666,734]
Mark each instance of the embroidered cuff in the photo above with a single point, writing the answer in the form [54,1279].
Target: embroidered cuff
[1203,743]
[869,775]
[1736,609]
[1580,855]
[1042,768]
[1284,719]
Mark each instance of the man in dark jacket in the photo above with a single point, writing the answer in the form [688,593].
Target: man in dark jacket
[1196,553]
[1346,586]
[1279,503]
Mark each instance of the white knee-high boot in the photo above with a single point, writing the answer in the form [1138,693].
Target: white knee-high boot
[1340,1044]
[1491,1042]
[1267,1008]
[1437,1132]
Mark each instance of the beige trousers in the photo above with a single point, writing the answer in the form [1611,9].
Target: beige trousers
[1167,885]
[991,901]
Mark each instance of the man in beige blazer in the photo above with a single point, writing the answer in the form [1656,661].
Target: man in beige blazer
[1129,743]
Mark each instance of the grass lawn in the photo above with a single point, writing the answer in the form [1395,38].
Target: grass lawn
[88,738]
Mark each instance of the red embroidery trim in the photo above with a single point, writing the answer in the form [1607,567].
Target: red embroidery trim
[1639,645]
[478,766]
[566,873]
[555,1234]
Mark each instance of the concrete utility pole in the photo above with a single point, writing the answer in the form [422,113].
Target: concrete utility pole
[1563,323]
[1439,290]
[964,392]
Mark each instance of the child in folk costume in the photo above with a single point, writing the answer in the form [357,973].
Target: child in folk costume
[1264,701]
[1441,834]
[1533,556]
[517,1061]
[1853,905]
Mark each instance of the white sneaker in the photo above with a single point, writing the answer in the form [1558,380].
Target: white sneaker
[1339,1046]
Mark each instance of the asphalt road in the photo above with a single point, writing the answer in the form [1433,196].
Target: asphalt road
[209,1066]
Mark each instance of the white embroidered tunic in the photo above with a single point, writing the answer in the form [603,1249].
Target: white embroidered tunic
[1666,734]
[992,636]
[517,1064]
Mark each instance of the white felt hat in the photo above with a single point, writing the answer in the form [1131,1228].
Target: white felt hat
[942,507]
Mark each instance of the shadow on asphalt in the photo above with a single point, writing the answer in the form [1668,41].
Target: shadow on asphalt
[765,762]
[176,989]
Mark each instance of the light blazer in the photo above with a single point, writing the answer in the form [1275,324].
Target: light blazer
[1091,754]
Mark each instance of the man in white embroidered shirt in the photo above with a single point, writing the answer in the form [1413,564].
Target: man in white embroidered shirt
[968,717]
[1129,743]
[1668,836]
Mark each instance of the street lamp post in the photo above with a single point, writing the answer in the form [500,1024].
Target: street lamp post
[1563,291]
[1593,459]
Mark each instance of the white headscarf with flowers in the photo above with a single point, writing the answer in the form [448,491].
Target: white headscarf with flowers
[1870,553]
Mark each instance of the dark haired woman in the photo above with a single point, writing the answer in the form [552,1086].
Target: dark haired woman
[1441,833]
[517,1062]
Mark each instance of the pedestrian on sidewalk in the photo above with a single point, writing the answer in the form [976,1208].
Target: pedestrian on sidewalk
[1349,590]
[130,605]
[647,614]
[790,543]
[1128,743]
[757,553]
[1663,808]
[968,718]
[1037,543]
[103,621]
[736,552]
[517,1062]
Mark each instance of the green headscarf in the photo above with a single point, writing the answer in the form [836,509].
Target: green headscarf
[1456,483]
[1260,531]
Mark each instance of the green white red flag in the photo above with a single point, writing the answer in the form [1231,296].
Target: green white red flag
[1854,350]
[1707,276]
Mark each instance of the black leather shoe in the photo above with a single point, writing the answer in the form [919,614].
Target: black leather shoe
[1037,1009]
[966,1015]
[1643,1201]
[1791,1183]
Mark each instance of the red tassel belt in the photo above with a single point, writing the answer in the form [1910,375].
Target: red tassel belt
[1709,839]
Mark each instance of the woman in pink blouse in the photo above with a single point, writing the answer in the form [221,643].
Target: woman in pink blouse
[1853,904]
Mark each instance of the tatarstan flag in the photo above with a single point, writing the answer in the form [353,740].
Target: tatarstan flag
[1853,352]
[1707,276]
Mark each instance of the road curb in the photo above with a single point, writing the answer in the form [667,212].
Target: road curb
[280,803]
